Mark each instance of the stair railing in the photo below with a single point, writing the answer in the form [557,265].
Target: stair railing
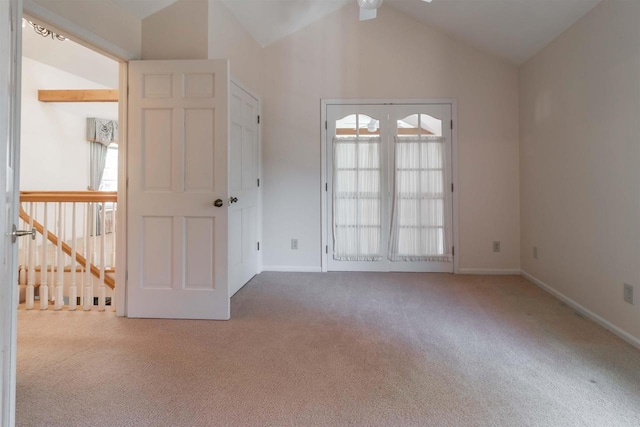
[76,235]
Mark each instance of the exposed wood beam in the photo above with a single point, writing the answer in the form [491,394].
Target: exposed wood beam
[84,95]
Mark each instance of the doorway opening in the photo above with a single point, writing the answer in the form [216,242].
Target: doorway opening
[68,174]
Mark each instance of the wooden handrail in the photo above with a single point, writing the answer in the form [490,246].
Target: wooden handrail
[69,196]
[95,271]
[67,269]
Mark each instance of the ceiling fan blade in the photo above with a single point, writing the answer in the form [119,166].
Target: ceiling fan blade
[367,14]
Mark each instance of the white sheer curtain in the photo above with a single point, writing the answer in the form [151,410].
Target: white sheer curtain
[100,133]
[357,224]
[97,161]
[420,225]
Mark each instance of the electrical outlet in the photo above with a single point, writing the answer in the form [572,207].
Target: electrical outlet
[628,293]
[294,244]
[535,252]
[496,246]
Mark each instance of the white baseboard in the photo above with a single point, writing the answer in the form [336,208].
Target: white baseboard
[479,271]
[591,315]
[488,271]
[291,269]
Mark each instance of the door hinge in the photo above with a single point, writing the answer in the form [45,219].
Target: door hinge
[451,124]
[453,251]
[258,119]
[452,187]
[326,186]
[325,124]
[326,249]
[258,182]
[258,245]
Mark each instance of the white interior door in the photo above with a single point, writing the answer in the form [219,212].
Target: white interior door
[10,60]
[177,171]
[243,188]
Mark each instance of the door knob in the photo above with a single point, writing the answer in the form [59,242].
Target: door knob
[233,200]
[19,233]
[218,203]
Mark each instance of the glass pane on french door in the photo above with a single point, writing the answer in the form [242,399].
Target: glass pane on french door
[357,180]
[389,175]
[421,220]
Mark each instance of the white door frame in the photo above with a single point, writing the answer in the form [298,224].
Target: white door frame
[65,27]
[323,164]
[10,127]
[237,82]
[85,37]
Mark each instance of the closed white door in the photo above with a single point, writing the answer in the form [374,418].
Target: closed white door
[243,188]
[177,199]
[389,169]
[10,56]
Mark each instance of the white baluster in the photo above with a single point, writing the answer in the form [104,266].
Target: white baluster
[113,250]
[87,298]
[113,234]
[51,258]
[73,289]
[59,299]
[82,252]
[22,255]
[44,289]
[51,261]
[22,272]
[31,276]
[102,289]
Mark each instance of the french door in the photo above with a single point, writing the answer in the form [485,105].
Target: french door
[389,187]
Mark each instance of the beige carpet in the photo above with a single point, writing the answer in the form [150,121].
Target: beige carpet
[331,350]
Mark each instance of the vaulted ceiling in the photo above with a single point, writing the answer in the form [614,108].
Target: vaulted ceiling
[512,29]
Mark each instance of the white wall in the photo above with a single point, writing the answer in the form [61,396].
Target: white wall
[580,148]
[204,30]
[393,56]
[104,19]
[178,31]
[70,57]
[54,151]
[229,39]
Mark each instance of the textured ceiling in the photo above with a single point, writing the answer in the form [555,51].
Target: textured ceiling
[270,20]
[512,29]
